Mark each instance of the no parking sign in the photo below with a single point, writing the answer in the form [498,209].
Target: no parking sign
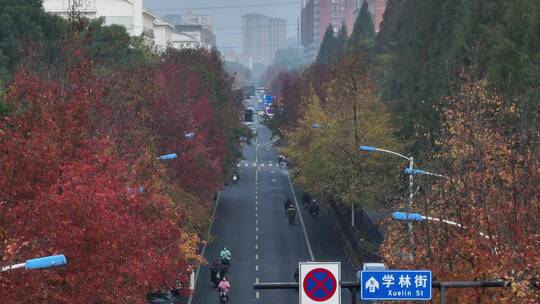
[320,283]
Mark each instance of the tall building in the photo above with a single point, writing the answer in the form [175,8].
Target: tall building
[316,15]
[261,37]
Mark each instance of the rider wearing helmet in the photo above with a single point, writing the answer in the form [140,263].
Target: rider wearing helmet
[225,254]
[224,288]
[288,203]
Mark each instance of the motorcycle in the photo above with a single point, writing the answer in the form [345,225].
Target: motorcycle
[223,296]
[235,178]
[292,214]
[225,265]
[215,275]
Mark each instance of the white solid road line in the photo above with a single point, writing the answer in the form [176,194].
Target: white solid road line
[308,244]
[204,247]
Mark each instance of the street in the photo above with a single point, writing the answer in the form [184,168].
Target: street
[250,221]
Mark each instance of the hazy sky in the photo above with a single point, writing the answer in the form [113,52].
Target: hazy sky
[227,14]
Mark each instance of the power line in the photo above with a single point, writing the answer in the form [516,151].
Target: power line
[227,6]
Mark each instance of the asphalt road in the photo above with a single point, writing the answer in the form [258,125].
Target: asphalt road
[250,221]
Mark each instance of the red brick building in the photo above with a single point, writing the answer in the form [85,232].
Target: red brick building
[316,15]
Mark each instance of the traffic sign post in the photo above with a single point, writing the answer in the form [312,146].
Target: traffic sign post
[320,283]
[395,285]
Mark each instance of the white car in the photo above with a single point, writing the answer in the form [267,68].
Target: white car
[374,266]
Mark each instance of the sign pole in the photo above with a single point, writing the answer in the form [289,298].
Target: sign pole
[443,294]
[354,292]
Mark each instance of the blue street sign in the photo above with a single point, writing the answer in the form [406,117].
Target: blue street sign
[267,100]
[395,285]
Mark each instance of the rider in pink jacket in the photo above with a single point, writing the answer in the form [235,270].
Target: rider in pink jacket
[224,285]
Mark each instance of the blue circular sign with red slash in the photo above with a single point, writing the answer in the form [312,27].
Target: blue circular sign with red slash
[320,284]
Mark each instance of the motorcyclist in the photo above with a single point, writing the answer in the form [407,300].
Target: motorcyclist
[306,199]
[314,208]
[224,288]
[215,272]
[288,203]
[235,177]
[291,212]
[225,256]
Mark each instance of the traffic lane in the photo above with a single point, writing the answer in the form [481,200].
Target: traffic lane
[325,242]
[282,246]
[233,227]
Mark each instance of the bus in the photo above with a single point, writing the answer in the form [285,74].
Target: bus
[248,115]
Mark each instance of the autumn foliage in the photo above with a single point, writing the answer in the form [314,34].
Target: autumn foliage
[80,177]
[492,193]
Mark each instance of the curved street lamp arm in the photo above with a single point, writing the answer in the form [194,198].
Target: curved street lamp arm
[392,152]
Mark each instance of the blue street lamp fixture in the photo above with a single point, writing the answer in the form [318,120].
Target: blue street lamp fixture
[39,263]
[404,216]
[168,156]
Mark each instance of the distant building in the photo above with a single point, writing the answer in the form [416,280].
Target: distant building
[131,14]
[194,25]
[376,8]
[230,56]
[128,13]
[261,37]
[316,15]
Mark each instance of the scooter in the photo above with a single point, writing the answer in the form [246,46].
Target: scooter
[225,265]
[292,215]
[223,296]
[215,276]
[235,178]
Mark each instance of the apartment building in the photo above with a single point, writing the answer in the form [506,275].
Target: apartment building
[261,37]
[131,14]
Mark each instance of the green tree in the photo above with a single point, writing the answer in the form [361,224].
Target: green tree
[25,27]
[363,35]
[329,47]
[342,39]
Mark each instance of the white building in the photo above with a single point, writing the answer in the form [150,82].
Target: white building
[130,14]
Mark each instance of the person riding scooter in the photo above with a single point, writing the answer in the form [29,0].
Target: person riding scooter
[224,288]
[306,199]
[225,256]
[291,213]
[288,203]
[314,208]
[235,177]
[215,273]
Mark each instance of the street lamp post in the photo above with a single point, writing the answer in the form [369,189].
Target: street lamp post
[38,263]
[410,159]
